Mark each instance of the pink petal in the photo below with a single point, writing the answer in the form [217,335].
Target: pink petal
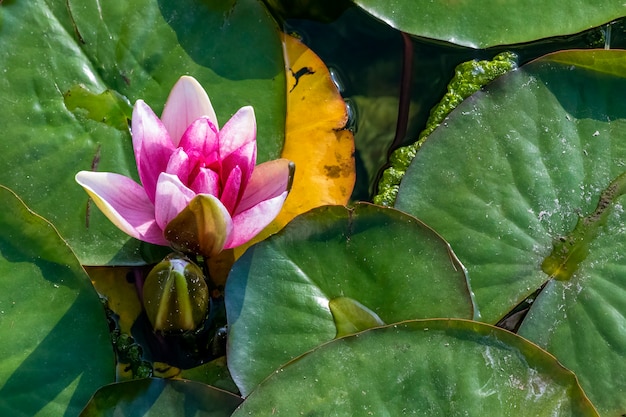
[152,146]
[269,179]
[187,102]
[232,189]
[206,182]
[237,132]
[172,197]
[200,141]
[202,227]
[249,223]
[125,203]
[243,159]
[179,165]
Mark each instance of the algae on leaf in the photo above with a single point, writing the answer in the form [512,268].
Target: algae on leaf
[469,77]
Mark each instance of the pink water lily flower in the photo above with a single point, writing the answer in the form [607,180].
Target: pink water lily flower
[200,189]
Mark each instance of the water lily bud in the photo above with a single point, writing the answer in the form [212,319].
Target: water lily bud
[175,295]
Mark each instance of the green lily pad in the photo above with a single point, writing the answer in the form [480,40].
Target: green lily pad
[136,50]
[330,272]
[492,22]
[524,180]
[55,349]
[423,367]
[153,397]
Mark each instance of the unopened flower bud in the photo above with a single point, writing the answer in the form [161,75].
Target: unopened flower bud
[175,295]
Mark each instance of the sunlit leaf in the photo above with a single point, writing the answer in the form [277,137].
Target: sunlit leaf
[426,368]
[55,350]
[525,180]
[316,141]
[373,264]
[481,24]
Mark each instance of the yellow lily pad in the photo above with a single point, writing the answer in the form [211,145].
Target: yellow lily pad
[316,139]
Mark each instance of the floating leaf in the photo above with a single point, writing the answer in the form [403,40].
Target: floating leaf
[55,349]
[372,263]
[470,76]
[320,146]
[135,49]
[427,368]
[530,167]
[493,22]
[160,397]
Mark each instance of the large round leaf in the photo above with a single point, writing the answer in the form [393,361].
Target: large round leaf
[137,49]
[481,24]
[525,182]
[582,322]
[333,271]
[426,368]
[154,397]
[55,350]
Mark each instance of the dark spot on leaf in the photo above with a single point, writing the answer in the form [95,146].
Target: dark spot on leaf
[297,74]
[332,171]
[343,169]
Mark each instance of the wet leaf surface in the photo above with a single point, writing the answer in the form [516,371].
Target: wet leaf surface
[508,178]
[492,22]
[278,293]
[423,367]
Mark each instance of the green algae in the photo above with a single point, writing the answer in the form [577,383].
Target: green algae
[469,77]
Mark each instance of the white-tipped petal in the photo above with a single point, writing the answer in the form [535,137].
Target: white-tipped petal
[125,204]
[187,102]
[238,131]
